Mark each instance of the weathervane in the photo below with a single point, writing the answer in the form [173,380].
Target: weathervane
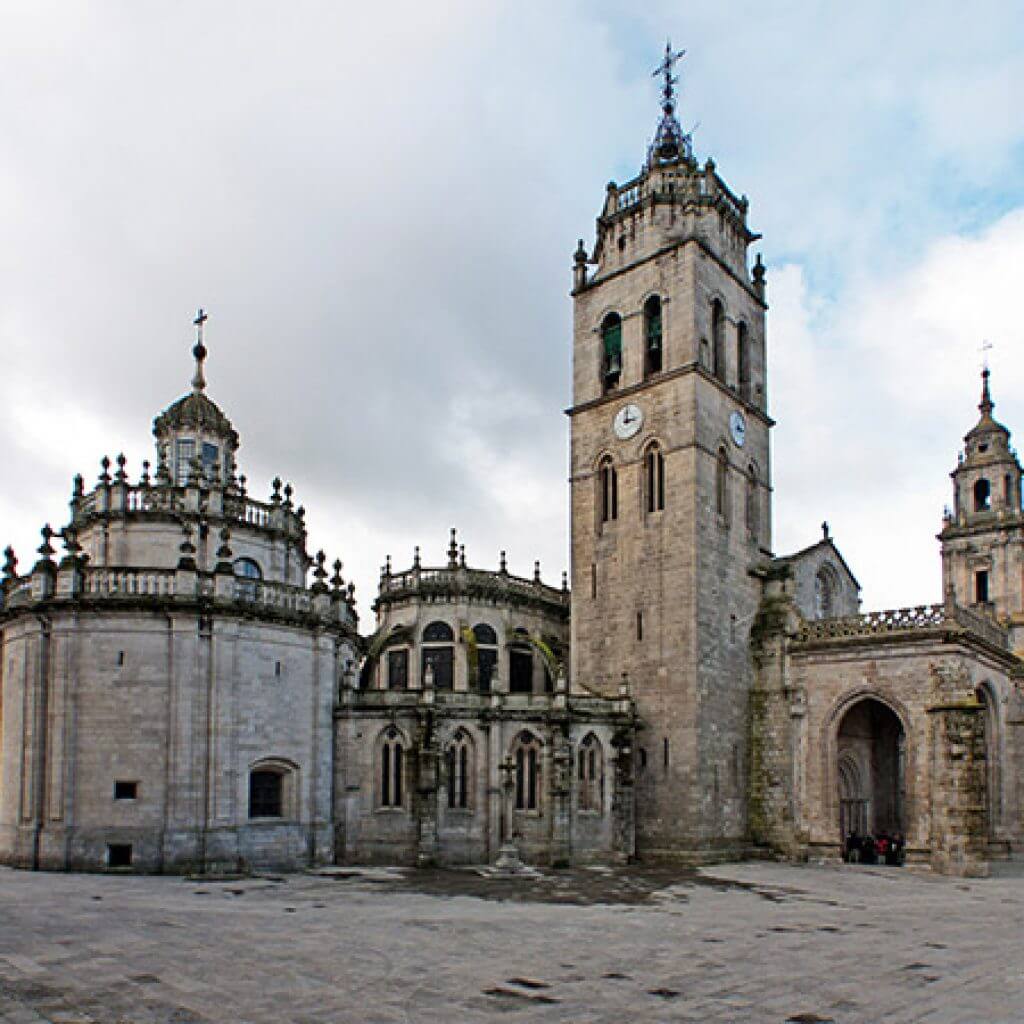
[665,68]
[986,347]
[670,141]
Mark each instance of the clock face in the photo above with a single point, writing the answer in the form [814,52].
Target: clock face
[738,428]
[628,421]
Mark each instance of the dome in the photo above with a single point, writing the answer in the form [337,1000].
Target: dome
[197,411]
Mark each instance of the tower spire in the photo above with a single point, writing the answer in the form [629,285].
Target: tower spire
[199,351]
[670,141]
[986,405]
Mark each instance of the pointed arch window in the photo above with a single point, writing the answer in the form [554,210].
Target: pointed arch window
[460,765]
[391,770]
[611,351]
[528,772]
[652,336]
[590,775]
[520,662]
[718,340]
[743,360]
[825,587]
[722,485]
[607,491]
[654,478]
[753,503]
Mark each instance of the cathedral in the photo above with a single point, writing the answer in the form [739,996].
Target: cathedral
[187,687]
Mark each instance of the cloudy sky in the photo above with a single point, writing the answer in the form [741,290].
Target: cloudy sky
[378,205]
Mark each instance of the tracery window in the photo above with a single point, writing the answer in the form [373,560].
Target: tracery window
[590,774]
[391,769]
[607,490]
[611,351]
[825,586]
[441,659]
[654,479]
[460,766]
[248,572]
[652,336]
[528,772]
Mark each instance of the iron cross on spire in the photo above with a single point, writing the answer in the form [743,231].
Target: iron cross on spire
[665,68]
[986,347]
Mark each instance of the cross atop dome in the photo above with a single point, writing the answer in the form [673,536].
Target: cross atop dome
[199,351]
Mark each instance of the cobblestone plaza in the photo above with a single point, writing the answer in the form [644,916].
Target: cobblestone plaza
[755,942]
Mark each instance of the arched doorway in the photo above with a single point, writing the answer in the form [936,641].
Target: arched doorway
[870,769]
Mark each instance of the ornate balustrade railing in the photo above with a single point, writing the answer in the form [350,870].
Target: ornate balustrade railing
[460,580]
[113,583]
[903,620]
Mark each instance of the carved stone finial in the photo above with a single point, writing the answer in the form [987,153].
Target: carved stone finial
[275,496]
[105,470]
[46,548]
[199,351]
[187,548]
[145,481]
[416,557]
[536,571]
[387,565]
[350,599]
[224,551]
[453,551]
[824,531]
[163,473]
[565,582]
[10,563]
[580,256]
[70,537]
[336,580]
[78,486]
[320,573]
[288,495]
[120,476]
[462,556]
[759,272]
[242,480]
[502,564]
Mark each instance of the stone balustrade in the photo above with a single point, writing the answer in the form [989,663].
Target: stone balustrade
[904,620]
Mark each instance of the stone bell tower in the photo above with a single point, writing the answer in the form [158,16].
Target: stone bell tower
[983,534]
[670,482]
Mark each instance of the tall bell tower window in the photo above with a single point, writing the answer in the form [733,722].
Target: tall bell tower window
[981,586]
[608,491]
[982,495]
[743,360]
[752,504]
[718,340]
[654,479]
[722,485]
[611,351]
[652,336]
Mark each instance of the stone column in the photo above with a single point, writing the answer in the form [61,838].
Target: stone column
[425,798]
[560,792]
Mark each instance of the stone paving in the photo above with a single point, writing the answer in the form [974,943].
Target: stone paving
[746,942]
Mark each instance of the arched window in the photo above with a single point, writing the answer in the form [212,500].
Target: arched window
[982,495]
[718,340]
[652,336]
[753,504]
[438,654]
[825,585]
[266,793]
[272,789]
[184,453]
[607,491]
[460,765]
[248,572]
[722,484]
[520,663]
[743,360]
[590,775]
[654,478]
[391,765]
[398,669]
[486,656]
[528,772]
[611,351]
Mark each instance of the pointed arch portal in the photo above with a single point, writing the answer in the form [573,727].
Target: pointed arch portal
[871,756]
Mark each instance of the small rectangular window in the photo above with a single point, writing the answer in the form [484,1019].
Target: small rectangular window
[277,668]
[981,586]
[124,790]
[593,580]
[183,456]
[398,670]
[119,855]
[120,657]
[666,753]
[639,626]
